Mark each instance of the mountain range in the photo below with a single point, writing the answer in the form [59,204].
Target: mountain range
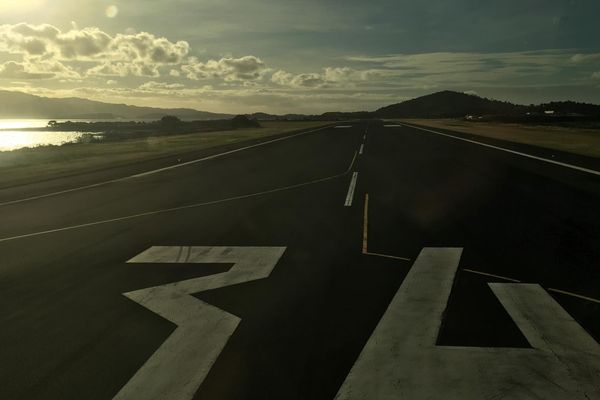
[22,105]
[444,104]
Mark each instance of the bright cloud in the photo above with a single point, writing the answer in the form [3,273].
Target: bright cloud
[230,69]
[29,70]
[330,77]
[89,44]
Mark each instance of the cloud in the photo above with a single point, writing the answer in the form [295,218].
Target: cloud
[38,70]
[123,69]
[14,70]
[307,80]
[122,54]
[158,86]
[230,69]
[530,68]
[330,77]
[581,57]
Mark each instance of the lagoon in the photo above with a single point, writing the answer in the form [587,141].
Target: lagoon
[11,138]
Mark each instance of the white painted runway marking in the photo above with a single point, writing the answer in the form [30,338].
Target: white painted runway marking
[42,196]
[186,207]
[392,126]
[178,368]
[362,148]
[343,126]
[401,359]
[223,154]
[579,296]
[351,188]
[546,160]
[491,275]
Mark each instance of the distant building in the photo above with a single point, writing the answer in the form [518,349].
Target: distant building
[549,112]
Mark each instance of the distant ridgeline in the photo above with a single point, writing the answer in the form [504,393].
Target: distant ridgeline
[448,104]
[445,104]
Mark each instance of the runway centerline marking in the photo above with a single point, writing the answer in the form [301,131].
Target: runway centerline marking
[519,153]
[351,188]
[402,359]
[343,126]
[362,148]
[186,207]
[94,185]
[179,366]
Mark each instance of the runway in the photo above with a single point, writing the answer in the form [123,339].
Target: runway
[266,270]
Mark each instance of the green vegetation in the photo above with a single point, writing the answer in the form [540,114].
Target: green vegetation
[42,163]
[573,140]
[167,125]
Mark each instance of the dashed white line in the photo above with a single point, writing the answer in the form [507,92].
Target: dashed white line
[343,126]
[350,195]
[392,126]
[562,164]
[362,148]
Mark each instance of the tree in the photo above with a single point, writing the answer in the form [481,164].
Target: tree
[242,121]
[170,121]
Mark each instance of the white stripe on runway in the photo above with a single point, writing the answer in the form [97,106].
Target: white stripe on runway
[42,196]
[362,148]
[179,366]
[545,324]
[350,194]
[392,126]
[222,154]
[562,164]
[402,360]
[343,126]
[186,207]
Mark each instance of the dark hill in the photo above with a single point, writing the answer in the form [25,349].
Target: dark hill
[448,104]
[22,105]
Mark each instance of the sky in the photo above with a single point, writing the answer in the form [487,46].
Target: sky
[299,56]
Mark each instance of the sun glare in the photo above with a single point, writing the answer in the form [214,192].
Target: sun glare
[112,11]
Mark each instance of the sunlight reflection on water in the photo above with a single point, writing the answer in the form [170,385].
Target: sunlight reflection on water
[12,139]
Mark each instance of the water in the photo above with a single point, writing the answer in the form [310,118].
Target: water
[11,139]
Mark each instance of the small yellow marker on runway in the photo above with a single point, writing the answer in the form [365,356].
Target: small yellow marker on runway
[365,225]
[365,243]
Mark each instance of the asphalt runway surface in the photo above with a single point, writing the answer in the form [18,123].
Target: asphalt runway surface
[334,268]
